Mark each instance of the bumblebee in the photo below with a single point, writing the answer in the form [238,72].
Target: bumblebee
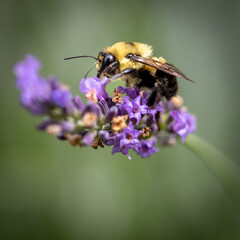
[133,62]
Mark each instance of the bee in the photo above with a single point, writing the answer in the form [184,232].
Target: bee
[133,63]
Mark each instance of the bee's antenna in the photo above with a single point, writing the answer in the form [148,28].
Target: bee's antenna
[91,68]
[80,57]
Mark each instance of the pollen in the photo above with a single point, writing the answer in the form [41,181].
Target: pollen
[119,123]
[145,133]
[97,143]
[89,119]
[171,142]
[74,139]
[53,129]
[117,96]
[64,87]
[129,137]
[92,96]
[177,101]
[141,94]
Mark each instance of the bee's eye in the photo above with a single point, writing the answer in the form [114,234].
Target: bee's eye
[130,55]
[102,53]
[108,59]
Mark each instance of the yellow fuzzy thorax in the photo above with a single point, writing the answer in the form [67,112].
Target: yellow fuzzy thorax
[121,49]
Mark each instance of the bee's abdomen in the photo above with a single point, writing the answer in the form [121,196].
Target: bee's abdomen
[147,79]
[172,86]
[167,83]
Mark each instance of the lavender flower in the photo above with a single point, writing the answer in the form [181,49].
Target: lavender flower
[157,107]
[111,114]
[94,85]
[88,138]
[35,90]
[126,140]
[134,108]
[184,123]
[103,135]
[75,106]
[147,147]
[39,95]
[132,93]
[61,97]
[123,124]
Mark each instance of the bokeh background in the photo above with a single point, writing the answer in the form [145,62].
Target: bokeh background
[49,190]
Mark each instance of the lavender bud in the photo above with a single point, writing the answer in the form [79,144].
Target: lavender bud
[88,138]
[104,106]
[103,135]
[154,128]
[67,126]
[111,114]
[149,120]
[54,83]
[93,108]
[78,102]
[42,126]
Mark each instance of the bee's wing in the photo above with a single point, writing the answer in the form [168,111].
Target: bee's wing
[161,65]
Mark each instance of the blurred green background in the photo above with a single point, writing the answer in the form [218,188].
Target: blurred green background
[49,190]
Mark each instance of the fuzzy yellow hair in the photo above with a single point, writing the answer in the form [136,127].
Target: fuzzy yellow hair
[121,49]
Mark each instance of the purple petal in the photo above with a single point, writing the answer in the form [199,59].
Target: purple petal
[88,138]
[103,135]
[184,123]
[147,148]
[111,114]
[61,97]
[93,108]
[88,84]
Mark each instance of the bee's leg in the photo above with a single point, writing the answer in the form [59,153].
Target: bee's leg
[107,69]
[158,91]
[163,89]
[124,72]
[154,95]
[158,118]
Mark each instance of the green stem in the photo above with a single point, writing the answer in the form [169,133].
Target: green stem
[225,170]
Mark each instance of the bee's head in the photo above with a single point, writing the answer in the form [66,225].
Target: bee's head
[107,64]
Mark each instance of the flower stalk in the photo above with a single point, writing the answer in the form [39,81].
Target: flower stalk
[225,170]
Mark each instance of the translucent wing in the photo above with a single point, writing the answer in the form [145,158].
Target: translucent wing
[160,64]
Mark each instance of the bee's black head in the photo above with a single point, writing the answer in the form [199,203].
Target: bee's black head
[108,63]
